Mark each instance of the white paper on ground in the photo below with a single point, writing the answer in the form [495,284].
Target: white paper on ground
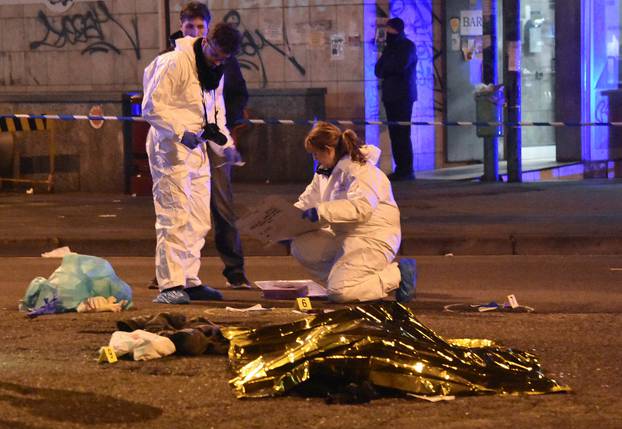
[275,219]
[433,398]
[326,310]
[256,307]
[142,344]
[57,253]
[315,290]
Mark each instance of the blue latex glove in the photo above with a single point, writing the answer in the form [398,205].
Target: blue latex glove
[232,156]
[49,307]
[311,215]
[190,140]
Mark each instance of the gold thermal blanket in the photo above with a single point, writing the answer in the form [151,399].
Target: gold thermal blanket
[382,344]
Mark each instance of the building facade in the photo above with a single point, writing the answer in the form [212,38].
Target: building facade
[70,57]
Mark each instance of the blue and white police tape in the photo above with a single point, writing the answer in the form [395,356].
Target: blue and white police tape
[273,121]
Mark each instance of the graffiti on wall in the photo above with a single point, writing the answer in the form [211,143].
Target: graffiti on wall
[86,28]
[59,5]
[253,45]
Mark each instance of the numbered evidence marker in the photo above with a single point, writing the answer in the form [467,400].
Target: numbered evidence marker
[303,304]
[513,302]
[107,354]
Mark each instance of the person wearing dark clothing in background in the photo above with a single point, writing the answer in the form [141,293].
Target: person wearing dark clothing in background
[397,69]
[194,22]
[226,235]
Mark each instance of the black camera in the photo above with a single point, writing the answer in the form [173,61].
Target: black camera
[212,132]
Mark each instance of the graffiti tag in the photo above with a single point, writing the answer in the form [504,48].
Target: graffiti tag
[59,5]
[85,28]
[253,44]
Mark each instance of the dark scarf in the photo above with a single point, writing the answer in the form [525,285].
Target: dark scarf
[173,37]
[324,171]
[209,76]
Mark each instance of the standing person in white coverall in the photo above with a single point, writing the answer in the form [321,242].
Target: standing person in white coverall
[353,254]
[183,103]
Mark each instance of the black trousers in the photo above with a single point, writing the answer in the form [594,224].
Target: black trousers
[401,145]
[226,235]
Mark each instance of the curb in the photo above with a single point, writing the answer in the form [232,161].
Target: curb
[518,244]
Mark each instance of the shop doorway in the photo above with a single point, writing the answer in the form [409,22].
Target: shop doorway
[463,59]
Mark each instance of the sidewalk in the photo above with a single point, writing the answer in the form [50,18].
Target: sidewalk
[461,218]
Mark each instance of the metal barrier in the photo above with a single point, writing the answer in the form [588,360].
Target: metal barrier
[23,123]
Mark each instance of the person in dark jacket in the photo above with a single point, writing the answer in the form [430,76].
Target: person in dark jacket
[397,69]
[194,21]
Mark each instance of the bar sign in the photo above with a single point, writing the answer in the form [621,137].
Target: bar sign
[471,23]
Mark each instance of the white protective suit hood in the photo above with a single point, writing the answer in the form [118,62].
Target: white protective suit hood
[185,44]
[372,153]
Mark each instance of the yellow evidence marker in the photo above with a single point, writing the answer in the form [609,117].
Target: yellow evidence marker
[107,354]
[303,304]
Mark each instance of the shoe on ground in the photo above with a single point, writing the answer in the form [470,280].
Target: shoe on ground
[189,342]
[203,293]
[408,283]
[153,284]
[400,177]
[165,322]
[174,295]
[238,281]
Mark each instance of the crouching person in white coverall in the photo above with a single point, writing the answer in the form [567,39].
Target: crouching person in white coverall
[353,254]
[183,103]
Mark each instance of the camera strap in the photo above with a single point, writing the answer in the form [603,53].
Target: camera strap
[205,114]
[205,107]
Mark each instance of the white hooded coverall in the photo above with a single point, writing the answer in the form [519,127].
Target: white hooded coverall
[353,255]
[172,104]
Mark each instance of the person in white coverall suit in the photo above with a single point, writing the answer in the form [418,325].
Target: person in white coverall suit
[353,254]
[183,103]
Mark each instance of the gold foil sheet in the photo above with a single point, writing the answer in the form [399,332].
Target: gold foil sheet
[381,343]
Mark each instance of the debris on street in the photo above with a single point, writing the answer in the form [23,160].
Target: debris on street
[78,278]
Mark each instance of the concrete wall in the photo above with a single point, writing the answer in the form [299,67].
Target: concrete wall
[289,47]
[87,159]
[93,46]
[67,62]
[94,51]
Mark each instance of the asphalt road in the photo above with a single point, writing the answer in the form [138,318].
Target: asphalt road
[49,376]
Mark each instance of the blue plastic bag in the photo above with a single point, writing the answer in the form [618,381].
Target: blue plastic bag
[79,277]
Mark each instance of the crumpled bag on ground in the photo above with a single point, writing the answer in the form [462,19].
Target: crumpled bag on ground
[100,304]
[375,348]
[78,278]
[141,344]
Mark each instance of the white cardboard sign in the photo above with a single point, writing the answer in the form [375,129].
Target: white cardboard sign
[275,219]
